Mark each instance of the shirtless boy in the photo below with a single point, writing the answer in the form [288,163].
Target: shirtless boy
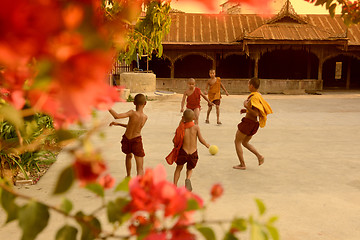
[131,142]
[213,88]
[188,149]
[192,96]
[255,106]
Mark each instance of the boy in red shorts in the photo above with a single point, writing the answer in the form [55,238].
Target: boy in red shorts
[255,106]
[185,147]
[131,142]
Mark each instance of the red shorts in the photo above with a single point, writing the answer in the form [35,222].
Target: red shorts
[216,102]
[190,159]
[248,127]
[134,146]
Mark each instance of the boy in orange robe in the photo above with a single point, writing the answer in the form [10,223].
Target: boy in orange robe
[185,147]
[213,88]
[255,106]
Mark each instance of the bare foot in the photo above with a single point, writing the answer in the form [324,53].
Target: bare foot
[219,123]
[261,160]
[239,167]
[207,121]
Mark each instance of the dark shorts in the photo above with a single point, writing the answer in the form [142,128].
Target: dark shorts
[248,126]
[216,102]
[190,159]
[134,146]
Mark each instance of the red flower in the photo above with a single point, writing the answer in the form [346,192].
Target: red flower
[107,181]
[216,191]
[88,167]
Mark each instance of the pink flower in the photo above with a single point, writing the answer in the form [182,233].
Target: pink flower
[152,192]
[156,236]
[88,167]
[107,181]
[216,191]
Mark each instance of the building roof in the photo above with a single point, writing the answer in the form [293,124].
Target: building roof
[287,25]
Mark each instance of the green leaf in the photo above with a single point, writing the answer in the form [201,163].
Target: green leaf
[332,10]
[230,236]
[9,205]
[273,232]
[261,206]
[115,210]
[66,233]
[90,226]
[65,180]
[192,204]
[66,205]
[256,233]
[239,224]
[207,232]
[96,188]
[328,2]
[272,220]
[320,2]
[11,115]
[33,218]
[123,186]
[63,135]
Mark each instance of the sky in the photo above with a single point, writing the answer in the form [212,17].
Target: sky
[300,6]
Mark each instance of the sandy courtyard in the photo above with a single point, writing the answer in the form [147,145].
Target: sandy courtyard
[310,178]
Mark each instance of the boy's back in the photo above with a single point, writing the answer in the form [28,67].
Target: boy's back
[136,122]
[190,139]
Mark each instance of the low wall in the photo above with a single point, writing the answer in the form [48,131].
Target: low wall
[138,82]
[240,86]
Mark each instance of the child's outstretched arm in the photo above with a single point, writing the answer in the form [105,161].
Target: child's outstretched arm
[120,115]
[207,87]
[118,124]
[206,98]
[183,102]
[226,92]
[201,139]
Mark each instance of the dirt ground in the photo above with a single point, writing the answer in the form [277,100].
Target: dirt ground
[310,178]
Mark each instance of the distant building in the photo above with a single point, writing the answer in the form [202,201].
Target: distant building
[287,51]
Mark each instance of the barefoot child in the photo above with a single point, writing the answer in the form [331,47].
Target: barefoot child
[192,96]
[131,142]
[213,88]
[185,147]
[255,106]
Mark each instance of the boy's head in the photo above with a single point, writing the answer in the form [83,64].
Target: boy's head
[212,73]
[191,83]
[188,115]
[139,99]
[254,83]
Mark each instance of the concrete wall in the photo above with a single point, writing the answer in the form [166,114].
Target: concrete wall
[240,86]
[138,82]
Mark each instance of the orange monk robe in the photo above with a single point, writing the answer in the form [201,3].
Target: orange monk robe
[178,141]
[264,108]
[214,90]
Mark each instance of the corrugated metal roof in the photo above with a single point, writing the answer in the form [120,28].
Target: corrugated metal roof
[190,28]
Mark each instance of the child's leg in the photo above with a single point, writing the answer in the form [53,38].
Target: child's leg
[177,173]
[208,113]
[239,138]
[188,173]
[197,113]
[139,165]
[252,149]
[128,164]
[218,114]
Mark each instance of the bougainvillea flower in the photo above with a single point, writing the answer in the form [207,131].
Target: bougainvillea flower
[181,234]
[88,167]
[216,191]
[107,181]
[152,192]
[156,236]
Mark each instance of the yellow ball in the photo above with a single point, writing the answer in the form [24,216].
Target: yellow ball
[213,149]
